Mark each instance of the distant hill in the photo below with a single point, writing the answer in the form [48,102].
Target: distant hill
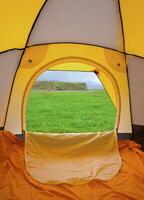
[57,86]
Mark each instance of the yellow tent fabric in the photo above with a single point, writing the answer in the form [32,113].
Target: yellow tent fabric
[16,183]
[106,36]
[73,158]
[132,20]
[16,20]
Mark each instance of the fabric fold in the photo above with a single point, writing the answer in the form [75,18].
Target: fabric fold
[73,158]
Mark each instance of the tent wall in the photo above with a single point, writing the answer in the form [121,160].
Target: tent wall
[132,19]
[8,65]
[103,22]
[104,61]
[136,79]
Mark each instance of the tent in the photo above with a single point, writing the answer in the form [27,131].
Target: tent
[106,37]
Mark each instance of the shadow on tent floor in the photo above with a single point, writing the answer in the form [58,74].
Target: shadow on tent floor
[17,184]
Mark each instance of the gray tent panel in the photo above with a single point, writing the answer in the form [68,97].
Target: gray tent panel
[136,80]
[79,21]
[8,65]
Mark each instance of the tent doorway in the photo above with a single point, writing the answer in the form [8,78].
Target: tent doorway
[70,57]
[69,102]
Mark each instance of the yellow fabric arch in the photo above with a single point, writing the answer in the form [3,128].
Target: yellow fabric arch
[109,86]
[73,66]
[99,59]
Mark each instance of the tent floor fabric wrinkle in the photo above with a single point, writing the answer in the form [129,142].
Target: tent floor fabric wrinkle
[73,158]
[16,183]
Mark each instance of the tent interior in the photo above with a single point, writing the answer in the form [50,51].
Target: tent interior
[104,37]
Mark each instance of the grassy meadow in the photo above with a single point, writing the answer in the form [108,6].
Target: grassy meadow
[67,111]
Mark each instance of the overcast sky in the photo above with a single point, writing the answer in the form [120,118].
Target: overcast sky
[88,77]
[68,76]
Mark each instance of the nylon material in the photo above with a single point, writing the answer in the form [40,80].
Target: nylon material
[72,158]
[136,78]
[16,183]
[109,88]
[88,22]
[17,18]
[8,66]
[34,56]
[73,67]
[132,16]
[125,105]
[116,60]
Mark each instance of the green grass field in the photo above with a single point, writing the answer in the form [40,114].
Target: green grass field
[65,112]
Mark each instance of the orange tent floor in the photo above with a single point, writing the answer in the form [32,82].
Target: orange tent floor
[17,184]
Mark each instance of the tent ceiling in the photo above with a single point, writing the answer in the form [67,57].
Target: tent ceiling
[16,20]
[80,21]
[133,16]
[90,22]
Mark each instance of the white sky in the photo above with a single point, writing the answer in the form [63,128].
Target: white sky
[66,76]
